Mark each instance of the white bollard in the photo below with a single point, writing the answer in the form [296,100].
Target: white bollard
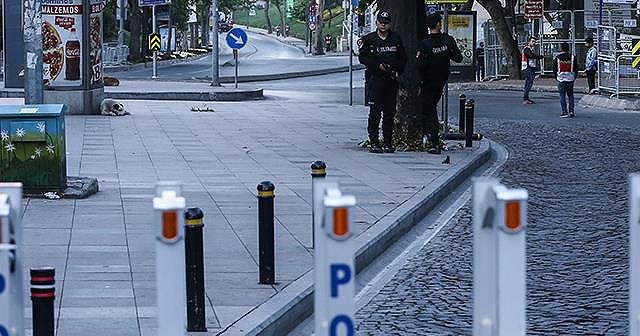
[168,209]
[511,221]
[634,256]
[335,279]
[499,269]
[11,269]
[484,251]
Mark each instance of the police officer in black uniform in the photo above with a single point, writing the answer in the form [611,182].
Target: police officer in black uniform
[433,57]
[384,56]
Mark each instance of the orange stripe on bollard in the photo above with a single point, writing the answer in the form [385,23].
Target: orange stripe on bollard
[169,225]
[512,217]
[340,222]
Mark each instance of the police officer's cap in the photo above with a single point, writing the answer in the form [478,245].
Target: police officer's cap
[384,17]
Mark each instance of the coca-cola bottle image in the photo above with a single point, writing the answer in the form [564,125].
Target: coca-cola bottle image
[72,57]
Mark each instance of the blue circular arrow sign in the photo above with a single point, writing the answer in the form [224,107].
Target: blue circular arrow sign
[237,38]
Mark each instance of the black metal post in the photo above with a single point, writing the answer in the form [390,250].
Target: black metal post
[318,171]
[461,114]
[469,107]
[194,261]
[43,295]
[266,248]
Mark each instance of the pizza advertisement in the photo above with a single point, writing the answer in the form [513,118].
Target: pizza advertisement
[95,42]
[62,42]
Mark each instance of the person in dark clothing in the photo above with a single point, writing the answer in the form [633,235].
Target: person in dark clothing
[385,58]
[591,64]
[480,62]
[529,66]
[565,69]
[434,55]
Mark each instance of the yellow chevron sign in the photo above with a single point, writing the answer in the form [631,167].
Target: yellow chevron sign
[154,42]
[635,51]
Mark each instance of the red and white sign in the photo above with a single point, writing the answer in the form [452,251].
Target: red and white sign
[533,9]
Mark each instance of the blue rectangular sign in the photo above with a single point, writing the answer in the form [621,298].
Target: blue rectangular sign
[142,3]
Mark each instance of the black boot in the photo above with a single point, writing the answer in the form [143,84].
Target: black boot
[388,147]
[375,147]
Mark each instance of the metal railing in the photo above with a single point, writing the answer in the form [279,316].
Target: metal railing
[114,55]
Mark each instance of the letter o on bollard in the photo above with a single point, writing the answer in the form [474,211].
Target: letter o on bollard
[337,321]
[3,331]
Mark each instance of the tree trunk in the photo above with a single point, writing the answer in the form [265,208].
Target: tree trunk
[497,13]
[409,22]
[318,38]
[281,15]
[135,25]
[266,14]
[204,30]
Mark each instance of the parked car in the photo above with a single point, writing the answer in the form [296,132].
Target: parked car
[225,26]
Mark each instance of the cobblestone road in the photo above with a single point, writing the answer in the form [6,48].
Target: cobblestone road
[576,172]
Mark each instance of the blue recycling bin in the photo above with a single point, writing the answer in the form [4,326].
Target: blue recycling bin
[32,146]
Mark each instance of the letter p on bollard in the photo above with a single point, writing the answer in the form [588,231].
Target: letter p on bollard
[335,273]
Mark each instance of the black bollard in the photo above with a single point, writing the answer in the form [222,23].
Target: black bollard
[470,107]
[43,295]
[266,248]
[461,113]
[194,261]
[318,171]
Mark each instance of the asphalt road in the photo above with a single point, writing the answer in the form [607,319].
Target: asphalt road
[576,172]
[259,49]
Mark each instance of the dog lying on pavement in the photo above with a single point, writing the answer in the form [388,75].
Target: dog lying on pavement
[110,107]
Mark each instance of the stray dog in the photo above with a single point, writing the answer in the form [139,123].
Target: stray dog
[110,107]
[111,81]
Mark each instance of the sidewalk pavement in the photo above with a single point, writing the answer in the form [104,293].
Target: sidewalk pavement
[103,247]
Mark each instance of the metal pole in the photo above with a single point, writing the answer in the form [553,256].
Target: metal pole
[445,98]
[194,261]
[33,89]
[470,107]
[155,53]
[318,173]
[215,48]
[266,248]
[123,13]
[235,61]
[43,295]
[634,255]
[462,114]
[351,54]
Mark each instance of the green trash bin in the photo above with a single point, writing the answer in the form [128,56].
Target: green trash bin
[33,151]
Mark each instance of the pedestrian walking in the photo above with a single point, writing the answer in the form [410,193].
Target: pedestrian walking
[529,67]
[480,62]
[565,69]
[591,64]
[434,55]
[385,58]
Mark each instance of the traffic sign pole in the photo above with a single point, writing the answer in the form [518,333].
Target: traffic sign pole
[634,256]
[215,47]
[351,11]
[235,61]
[155,53]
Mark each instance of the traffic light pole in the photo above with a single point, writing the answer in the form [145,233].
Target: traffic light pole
[155,53]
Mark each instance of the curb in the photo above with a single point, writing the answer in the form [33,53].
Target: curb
[288,75]
[506,87]
[629,105]
[231,96]
[128,67]
[295,302]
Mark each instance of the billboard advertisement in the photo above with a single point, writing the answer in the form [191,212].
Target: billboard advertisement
[62,42]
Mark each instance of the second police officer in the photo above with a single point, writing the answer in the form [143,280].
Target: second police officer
[384,56]
[433,57]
